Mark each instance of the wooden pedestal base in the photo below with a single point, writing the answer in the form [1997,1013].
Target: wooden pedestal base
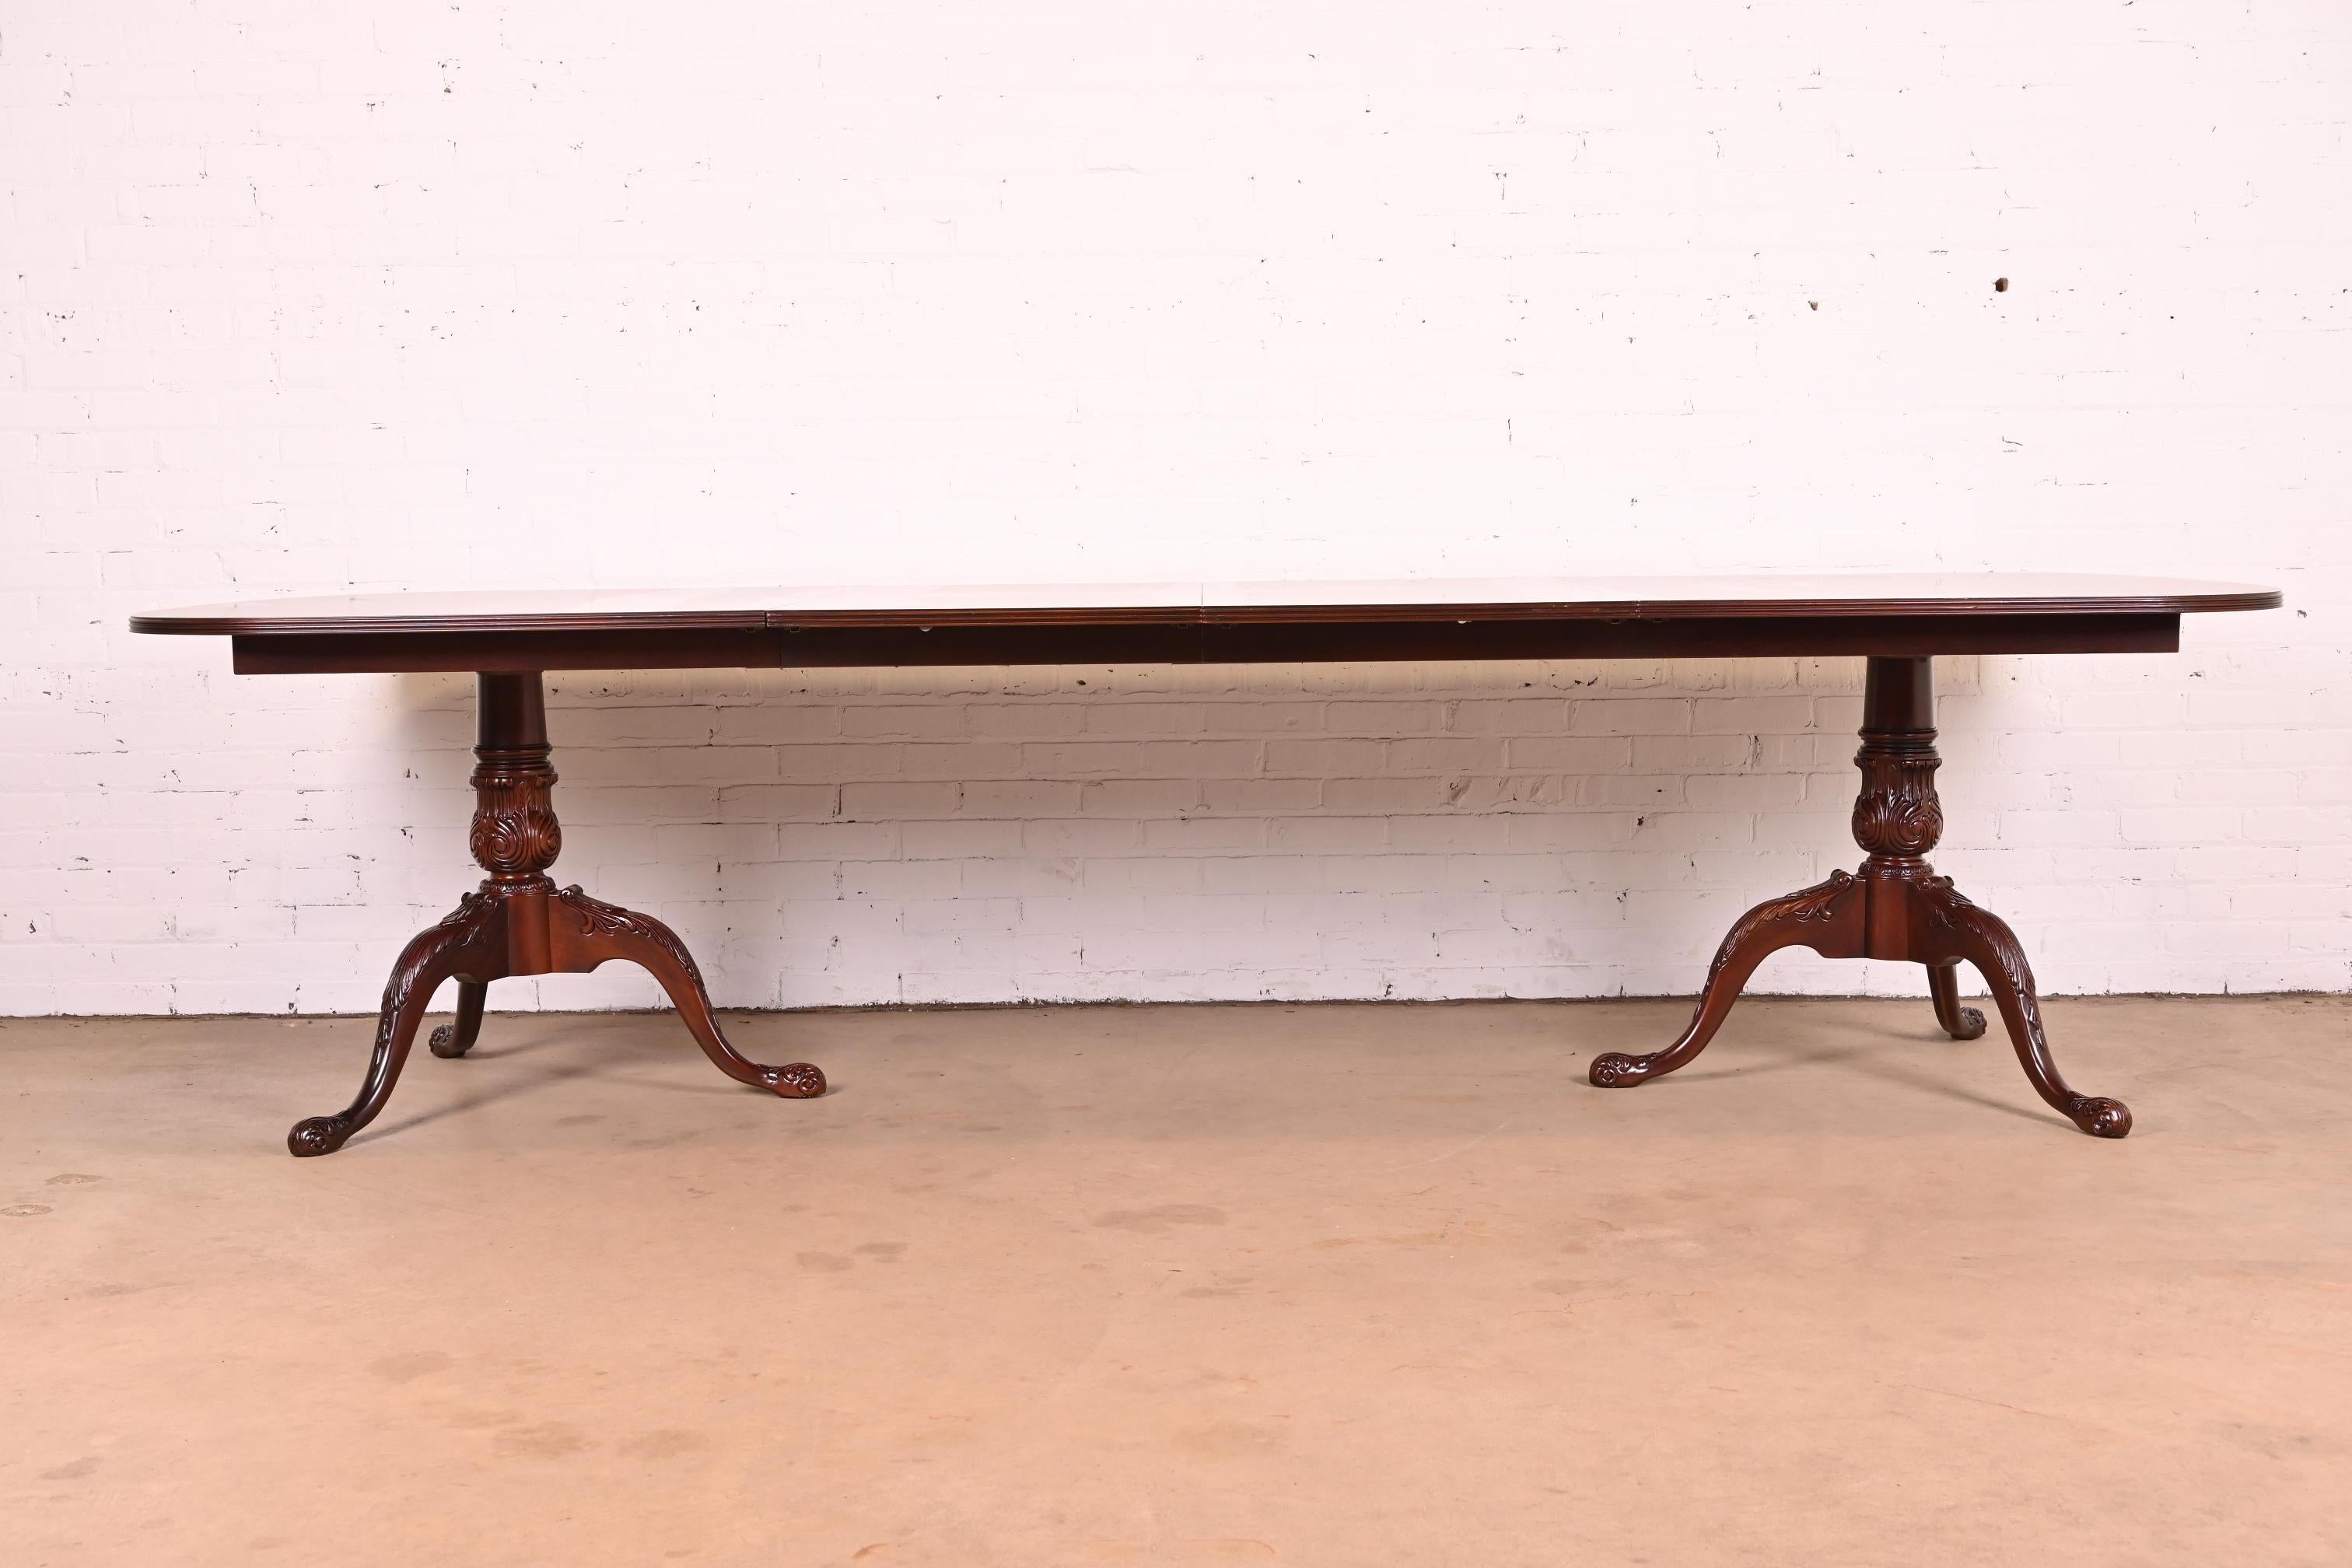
[518,923]
[1895,907]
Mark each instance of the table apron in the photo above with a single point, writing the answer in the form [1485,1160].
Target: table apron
[1191,642]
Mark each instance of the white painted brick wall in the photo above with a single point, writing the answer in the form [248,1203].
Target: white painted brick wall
[304,296]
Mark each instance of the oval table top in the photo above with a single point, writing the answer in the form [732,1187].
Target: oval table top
[1757,597]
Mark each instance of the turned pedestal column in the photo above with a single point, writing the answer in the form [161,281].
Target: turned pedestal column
[518,923]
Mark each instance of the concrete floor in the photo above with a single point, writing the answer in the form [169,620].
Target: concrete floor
[1337,1285]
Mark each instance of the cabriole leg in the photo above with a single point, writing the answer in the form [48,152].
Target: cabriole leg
[1826,918]
[455,1039]
[1985,940]
[469,941]
[1944,990]
[590,932]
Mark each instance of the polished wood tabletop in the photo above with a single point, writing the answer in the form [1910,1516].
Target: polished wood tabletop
[1404,598]
[1404,618]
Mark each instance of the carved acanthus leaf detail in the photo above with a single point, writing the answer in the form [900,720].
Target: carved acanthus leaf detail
[462,929]
[1897,814]
[515,835]
[515,839]
[598,918]
[1818,902]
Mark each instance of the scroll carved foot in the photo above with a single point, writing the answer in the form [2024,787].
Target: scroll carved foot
[590,932]
[2099,1116]
[794,1080]
[1616,1070]
[469,941]
[455,1039]
[1943,987]
[1950,921]
[318,1135]
[1826,918]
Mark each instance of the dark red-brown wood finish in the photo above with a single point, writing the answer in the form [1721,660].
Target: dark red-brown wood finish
[518,922]
[1197,623]
[1895,907]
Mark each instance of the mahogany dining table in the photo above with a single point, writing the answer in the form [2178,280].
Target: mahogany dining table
[518,922]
